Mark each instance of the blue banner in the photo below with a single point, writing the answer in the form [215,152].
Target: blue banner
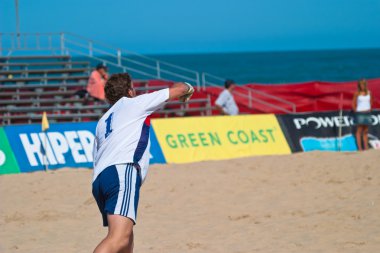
[156,154]
[346,144]
[63,145]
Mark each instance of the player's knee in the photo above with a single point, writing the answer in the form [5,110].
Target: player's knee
[123,240]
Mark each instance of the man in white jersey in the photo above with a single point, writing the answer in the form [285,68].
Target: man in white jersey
[225,102]
[121,156]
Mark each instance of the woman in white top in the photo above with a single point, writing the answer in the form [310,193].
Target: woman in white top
[362,104]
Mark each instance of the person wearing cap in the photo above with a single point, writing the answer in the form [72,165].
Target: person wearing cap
[96,82]
[225,103]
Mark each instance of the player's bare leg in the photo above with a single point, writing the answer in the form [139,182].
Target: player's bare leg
[120,236]
[365,137]
[359,132]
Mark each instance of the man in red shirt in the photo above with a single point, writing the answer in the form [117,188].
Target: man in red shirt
[98,78]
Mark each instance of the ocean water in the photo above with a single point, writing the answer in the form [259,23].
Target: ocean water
[284,67]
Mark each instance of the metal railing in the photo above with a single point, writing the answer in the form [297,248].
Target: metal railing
[21,42]
[140,66]
[216,81]
[119,60]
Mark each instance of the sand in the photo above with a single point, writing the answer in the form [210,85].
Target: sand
[309,202]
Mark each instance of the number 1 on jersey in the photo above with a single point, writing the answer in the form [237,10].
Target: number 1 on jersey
[108,127]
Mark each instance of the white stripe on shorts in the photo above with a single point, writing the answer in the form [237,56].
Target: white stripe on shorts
[125,204]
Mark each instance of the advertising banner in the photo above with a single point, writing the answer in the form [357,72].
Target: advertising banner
[63,145]
[156,155]
[194,139]
[321,131]
[8,163]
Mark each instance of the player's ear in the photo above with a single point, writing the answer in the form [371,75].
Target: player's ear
[131,93]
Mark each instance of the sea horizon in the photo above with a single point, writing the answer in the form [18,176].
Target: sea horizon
[278,67]
[150,54]
[274,67]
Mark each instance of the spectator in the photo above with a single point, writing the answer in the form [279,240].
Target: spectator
[225,102]
[98,78]
[361,104]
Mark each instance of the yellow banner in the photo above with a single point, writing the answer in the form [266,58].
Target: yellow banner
[195,139]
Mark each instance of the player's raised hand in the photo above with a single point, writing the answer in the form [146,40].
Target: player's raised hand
[188,95]
[182,91]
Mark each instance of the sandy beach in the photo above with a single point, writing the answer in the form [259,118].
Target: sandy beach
[308,202]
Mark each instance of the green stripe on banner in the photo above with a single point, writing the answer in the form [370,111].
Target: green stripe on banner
[8,163]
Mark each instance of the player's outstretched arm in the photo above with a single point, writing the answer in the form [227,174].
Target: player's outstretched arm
[182,91]
[220,109]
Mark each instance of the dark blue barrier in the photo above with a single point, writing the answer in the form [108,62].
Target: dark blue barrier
[320,131]
[65,145]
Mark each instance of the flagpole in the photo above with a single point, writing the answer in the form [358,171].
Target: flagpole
[45,127]
[45,148]
[17,25]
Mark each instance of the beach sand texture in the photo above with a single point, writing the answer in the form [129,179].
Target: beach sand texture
[306,202]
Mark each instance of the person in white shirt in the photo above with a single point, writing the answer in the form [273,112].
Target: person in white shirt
[121,156]
[362,104]
[225,102]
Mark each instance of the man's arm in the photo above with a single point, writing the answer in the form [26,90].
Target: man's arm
[220,102]
[154,101]
[221,110]
[181,91]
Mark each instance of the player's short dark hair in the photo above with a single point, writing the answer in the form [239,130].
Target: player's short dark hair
[101,66]
[228,83]
[117,87]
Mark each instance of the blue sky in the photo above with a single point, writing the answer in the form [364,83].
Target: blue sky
[172,26]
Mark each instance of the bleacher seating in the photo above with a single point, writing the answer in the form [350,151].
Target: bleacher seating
[30,85]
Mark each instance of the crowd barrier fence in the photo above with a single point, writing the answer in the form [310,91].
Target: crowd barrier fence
[26,148]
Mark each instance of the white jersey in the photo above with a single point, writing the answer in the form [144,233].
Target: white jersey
[227,102]
[122,134]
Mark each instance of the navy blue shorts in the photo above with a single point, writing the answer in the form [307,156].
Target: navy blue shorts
[116,191]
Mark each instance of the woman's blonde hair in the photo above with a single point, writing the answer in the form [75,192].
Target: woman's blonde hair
[362,81]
